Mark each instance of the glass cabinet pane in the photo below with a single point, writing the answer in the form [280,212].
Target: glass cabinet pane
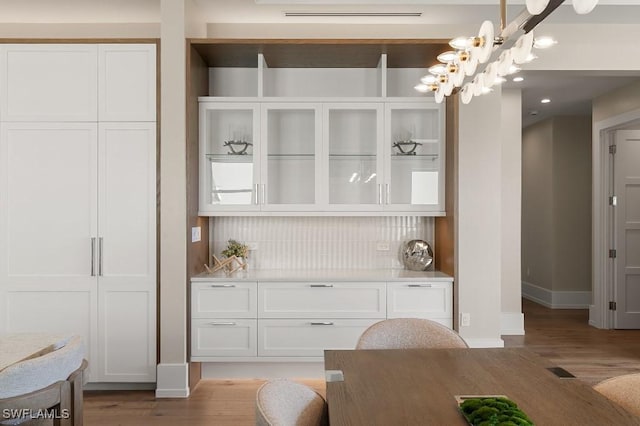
[353,156]
[414,152]
[291,159]
[229,151]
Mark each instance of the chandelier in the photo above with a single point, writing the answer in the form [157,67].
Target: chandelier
[485,60]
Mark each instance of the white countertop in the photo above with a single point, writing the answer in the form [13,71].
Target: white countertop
[325,275]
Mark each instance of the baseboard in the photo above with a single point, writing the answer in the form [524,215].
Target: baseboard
[512,324]
[103,386]
[484,343]
[172,381]
[556,299]
[262,370]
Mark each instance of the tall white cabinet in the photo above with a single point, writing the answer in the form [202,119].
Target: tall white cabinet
[78,196]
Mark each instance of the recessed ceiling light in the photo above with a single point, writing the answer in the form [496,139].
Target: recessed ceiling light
[518,79]
[545,101]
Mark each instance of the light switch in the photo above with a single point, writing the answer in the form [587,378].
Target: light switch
[196,234]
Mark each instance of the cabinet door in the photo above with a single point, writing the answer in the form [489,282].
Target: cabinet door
[229,158]
[353,168]
[414,158]
[126,252]
[291,136]
[224,300]
[421,300]
[303,337]
[321,300]
[49,82]
[127,82]
[47,221]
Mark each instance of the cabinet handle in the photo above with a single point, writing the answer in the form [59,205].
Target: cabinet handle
[93,256]
[222,285]
[255,194]
[321,323]
[421,285]
[386,193]
[379,193]
[264,194]
[321,285]
[100,256]
[222,323]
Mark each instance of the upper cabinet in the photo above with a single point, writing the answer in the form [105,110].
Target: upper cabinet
[300,134]
[127,82]
[49,82]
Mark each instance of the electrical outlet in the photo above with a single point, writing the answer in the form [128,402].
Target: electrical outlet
[382,246]
[465,319]
[252,245]
[196,234]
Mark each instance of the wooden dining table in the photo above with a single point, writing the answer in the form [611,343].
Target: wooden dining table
[419,387]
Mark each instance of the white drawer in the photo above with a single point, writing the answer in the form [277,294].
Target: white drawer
[420,300]
[223,337]
[321,300]
[223,300]
[308,337]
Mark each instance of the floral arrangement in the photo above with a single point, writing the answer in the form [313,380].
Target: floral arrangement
[235,248]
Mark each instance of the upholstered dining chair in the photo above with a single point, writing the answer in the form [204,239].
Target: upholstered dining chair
[409,333]
[623,390]
[285,403]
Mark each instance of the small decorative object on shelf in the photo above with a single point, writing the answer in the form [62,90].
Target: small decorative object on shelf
[416,255]
[235,258]
[237,147]
[406,147]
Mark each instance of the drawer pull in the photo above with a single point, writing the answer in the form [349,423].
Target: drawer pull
[222,285]
[222,323]
[322,323]
[421,285]
[321,285]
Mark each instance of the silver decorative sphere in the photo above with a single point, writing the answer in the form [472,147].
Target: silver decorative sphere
[416,255]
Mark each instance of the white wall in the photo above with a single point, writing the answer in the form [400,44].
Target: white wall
[479,227]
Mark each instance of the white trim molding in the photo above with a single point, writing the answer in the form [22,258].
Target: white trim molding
[556,299]
[484,343]
[173,381]
[512,324]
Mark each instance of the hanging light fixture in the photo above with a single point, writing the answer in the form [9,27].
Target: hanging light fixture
[470,53]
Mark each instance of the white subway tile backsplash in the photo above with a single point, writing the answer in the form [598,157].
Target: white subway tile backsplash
[321,242]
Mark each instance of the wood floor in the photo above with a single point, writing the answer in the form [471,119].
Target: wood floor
[562,336]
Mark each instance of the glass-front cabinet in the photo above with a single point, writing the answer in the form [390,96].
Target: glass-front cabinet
[292,150]
[414,157]
[321,157]
[353,133]
[229,157]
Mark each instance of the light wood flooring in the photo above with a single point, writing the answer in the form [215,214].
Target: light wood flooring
[562,336]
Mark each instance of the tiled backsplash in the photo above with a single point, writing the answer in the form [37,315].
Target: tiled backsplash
[321,242]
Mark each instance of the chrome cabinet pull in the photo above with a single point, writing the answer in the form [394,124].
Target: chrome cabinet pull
[222,285]
[321,323]
[255,194]
[379,193]
[321,285]
[100,256]
[93,256]
[421,285]
[387,196]
[264,193]
[222,323]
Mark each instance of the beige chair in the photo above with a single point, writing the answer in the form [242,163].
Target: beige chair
[286,403]
[623,390]
[409,333]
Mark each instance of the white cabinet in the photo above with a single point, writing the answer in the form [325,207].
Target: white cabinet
[224,319]
[127,82]
[321,300]
[308,337]
[49,82]
[78,222]
[237,321]
[344,157]
[430,300]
